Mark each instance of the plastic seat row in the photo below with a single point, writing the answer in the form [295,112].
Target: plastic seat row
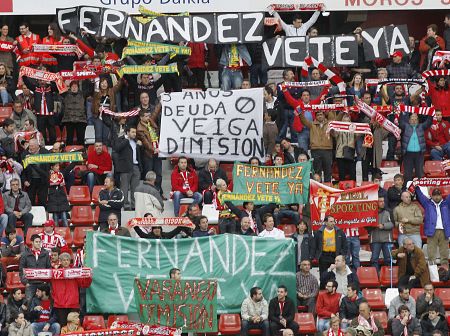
[80,195]
[78,234]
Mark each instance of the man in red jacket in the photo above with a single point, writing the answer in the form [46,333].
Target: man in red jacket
[184,184]
[423,47]
[327,306]
[25,42]
[437,138]
[99,164]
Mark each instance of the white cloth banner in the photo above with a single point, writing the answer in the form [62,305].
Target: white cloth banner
[225,125]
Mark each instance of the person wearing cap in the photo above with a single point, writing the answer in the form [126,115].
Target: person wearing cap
[398,68]
[51,239]
[436,223]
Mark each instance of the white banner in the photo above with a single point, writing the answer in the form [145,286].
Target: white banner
[225,125]
[27,7]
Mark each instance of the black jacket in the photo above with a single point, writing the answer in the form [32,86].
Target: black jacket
[341,242]
[241,213]
[164,235]
[33,315]
[42,169]
[289,310]
[305,248]
[49,97]
[349,309]
[115,203]
[28,260]
[124,152]
[427,326]
[288,159]
[3,315]
[205,180]
[394,197]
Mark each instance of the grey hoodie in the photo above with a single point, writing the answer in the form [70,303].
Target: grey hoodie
[383,235]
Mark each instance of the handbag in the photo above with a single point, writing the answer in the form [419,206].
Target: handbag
[348,153]
[434,274]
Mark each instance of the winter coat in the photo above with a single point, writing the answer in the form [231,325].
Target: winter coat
[413,326]
[57,200]
[42,169]
[407,131]
[383,235]
[440,98]
[344,139]
[428,327]
[418,263]
[9,201]
[178,180]
[49,98]
[394,196]
[429,225]
[242,51]
[423,48]
[19,118]
[199,55]
[33,315]
[65,292]
[144,135]
[305,248]
[349,309]
[206,180]
[13,307]
[2,314]
[7,56]
[98,100]
[422,306]
[438,134]
[318,137]
[341,242]
[289,310]
[414,215]
[22,330]
[74,108]
[124,162]
[148,199]
[115,203]
[28,260]
[120,231]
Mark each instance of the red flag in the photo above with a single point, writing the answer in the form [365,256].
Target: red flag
[6,6]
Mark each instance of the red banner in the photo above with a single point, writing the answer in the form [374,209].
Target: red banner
[145,329]
[6,46]
[45,76]
[355,207]
[59,273]
[105,332]
[169,222]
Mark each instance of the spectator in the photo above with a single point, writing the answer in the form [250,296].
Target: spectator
[436,224]
[270,132]
[433,320]
[408,218]
[6,56]
[110,201]
[21,114]
[231,59]
[73,324]
[19,326]
[198,63]
[405,324]
[203,230]
[304,242]
[25,42]
[156,232]
[412,267]
[99,165]
[394,193]
[6,85]
[147,197]
[227,219]
[330,241]
[286,110]
[424,48]
[440,95]
[51,239]
[17,206]
[57,202]
[291,153]
[297,28]
[428,300]
[290,211]
[246,227]
[74,114]
[54,257]
[307,287]
[355,87]
[26,96]
[3,323]
[413,58]
[447,31]
[403,299]
[7,129]
[184,184]
[340,273]
[327,306]
[3,217]
[36,257]
[30,127]
[349,306]
[255,313]
[259,69]
[42,313]
[398,68]
[114,228]
[282,312]
[366,322]
[16,303]
[381,237]
[207,179]
[12,244]
[335,329]
[270,230]
[345,152]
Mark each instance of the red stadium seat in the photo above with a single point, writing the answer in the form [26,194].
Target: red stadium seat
[96,192]
[10,264]
[113,318]
[347,184]
[74,148]
[444,295]
[65,233]
[433,169]
[82,215]
[79,195]
[5,112]
[255,332]
[31,231]
[447,315]
[388,184]
[374,297]
[385,276]
[78,235]
[306,322]
[288,229]
[13,281]
[382,317]
[391,164]
[445,190]
[368,277]
[415,292]
[96,214]
[93,322]
[230,324]
[363,235]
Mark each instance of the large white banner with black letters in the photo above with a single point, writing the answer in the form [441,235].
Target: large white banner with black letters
[225,125]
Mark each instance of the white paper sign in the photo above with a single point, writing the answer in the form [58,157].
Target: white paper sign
[225,125]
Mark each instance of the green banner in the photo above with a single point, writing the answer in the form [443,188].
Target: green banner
[190,304]
[146,48]
[139,69]
[52,158]
[236,262]
[285,184]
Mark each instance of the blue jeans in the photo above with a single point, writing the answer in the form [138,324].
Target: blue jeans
[61,215]
[89,113]
[178,195]
[323,325]
[303,139]
[288,121]
[3,223]
[376,249]
[354,246]
[286,213]
[231,79]
[437,155]
[415,238]
[101,131]
[247,325]
[38,326]
[258,75]
[6,98]
[90,181]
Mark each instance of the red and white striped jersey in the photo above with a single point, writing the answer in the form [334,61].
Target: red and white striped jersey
[79,258]
[52,240]
[352,232]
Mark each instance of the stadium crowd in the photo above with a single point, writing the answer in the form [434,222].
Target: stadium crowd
[123,159]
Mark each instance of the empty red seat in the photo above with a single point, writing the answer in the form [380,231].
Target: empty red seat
[288,229]
[93,322]
[363,235]
[382,317]
[391,164]
[96,192]
[31,231]
[306,322]
[74,148]
[78,235]
[385,276]
[13,281]
[65,233]
[374,297]
[368,277]
[10,264]
[433,169]
[347,184]
[113,318]
[415,292]
[82,215]
[79,195]
[5,112]
[230,324]
[96,214]
[444,295]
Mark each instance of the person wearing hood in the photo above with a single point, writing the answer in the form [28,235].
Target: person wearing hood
[433,320]
[340,272]
[74,114]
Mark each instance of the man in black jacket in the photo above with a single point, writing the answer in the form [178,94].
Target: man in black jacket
[349,307]
[110,201]
[207,179]
[282,312]
[36,257]
[128,150]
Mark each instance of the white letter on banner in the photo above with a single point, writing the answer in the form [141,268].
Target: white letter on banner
[84,20]
[254,256]
[61,21]
[396,34]
[341,50]
[126,302]
[183,31]
[155,28]
[110,24]
[320,41]
[160,244]
[196,20]
[213,246]
[129,27]
[239,253]
[199,254]
[271,57]
[373,40]
[120,254]
[289,51]
[221,28]
[95,250]
[284,252]
[250,37]
[141,254]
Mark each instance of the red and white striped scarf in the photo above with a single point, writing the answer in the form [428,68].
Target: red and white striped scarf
[307,84]
[43,75]
[406,81]
[325,107]
[440,58]
[50,241]
[379,109]
[77,74]
[428,111]
[434,73]
[382,120]
[332,77]
[128,114]
[332,333]
[349,127]
[62,49]
[364,323]
[296,7]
